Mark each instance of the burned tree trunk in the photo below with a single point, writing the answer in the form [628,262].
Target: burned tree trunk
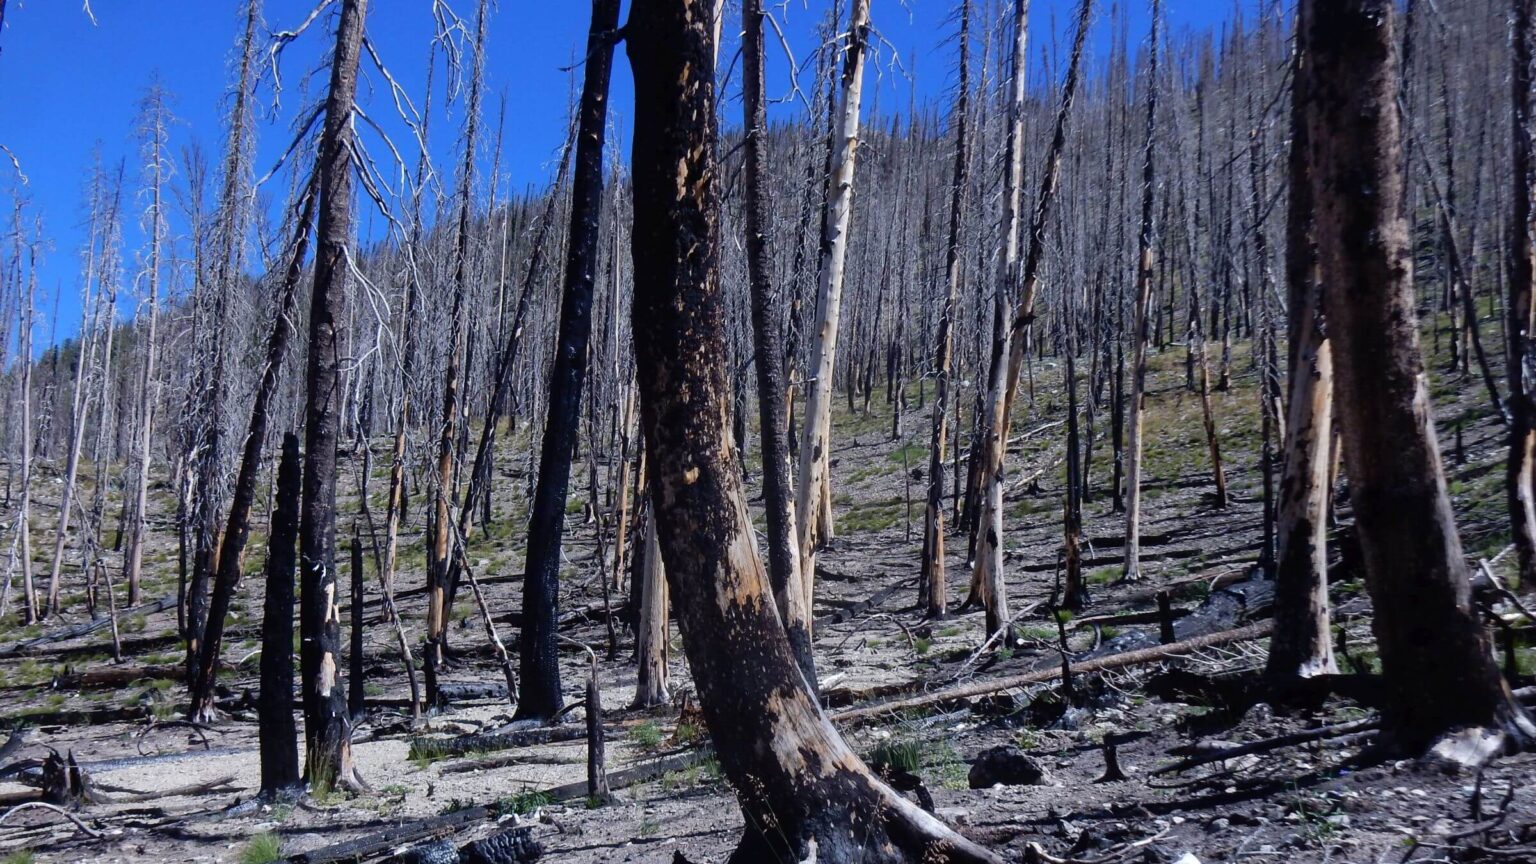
[812,490]
[327,727]
[779,502]
[1301,645]
[932,579]
[279,736]
[651,634]
[237,529]
[987,548]
[444,543]
[1442,687]
[987,577]
[807,794]
[1520,478]
[537,655]
[1145,256]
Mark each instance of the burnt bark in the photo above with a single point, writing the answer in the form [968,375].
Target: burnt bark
[783,547]
[327,727]
[278,735]
[237,529]
[539,691]
[1302,645]
[1439,672]
[807,793]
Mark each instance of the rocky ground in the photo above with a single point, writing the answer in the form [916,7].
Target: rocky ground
[1324,797]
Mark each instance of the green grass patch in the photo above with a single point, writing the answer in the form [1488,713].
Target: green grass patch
[264,848]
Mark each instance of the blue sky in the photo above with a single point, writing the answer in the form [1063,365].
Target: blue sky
[68,85]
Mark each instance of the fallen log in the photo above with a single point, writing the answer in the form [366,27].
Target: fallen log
[1113,661]
[485,742]
[24,646]
[1279,742]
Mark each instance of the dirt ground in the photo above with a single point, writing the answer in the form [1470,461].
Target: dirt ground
[1327,799]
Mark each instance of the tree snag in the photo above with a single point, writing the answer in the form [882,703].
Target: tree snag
[802,790]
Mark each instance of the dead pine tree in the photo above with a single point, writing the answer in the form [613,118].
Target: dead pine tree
[812,483]
[237,528]
[206,447]
[933,591]
[153,124]
[1301,646]
[808,795]
[1520,476]
[279,737]
[1443,693]
[440,559]
[987,575]
[783,544]
[539,687]
[1145,264]
[987,548]
[327,723]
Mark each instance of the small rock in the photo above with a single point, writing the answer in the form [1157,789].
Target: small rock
[1006,765]
[1221,824]
[1187,858]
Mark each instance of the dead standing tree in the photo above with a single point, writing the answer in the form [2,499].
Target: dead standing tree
[807,794]
[1145,262]
[783,544]
[154,123]
[1301,646]
[988,552]
[237,529]
[987,580]
[933,591]
[539,690]
[816,430]
[1520,482]
[1443,692]
[443,545]
[327,724]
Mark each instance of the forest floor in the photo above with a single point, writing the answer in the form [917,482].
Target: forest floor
[1325,800]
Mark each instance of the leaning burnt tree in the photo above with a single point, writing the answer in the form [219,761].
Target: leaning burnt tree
[237,529]
[538,657]
[443,540]
[804,793]
[987,583]
[327,724]
[1443,690]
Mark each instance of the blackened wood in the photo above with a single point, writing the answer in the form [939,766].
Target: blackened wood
[539,689]
[278,735]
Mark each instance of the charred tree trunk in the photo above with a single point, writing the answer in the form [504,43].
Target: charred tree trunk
[779,502]
[933,586]
[1302,645]
[540,685]
[1145,256]
[237,529]
[327,727]
[651,635]
[987,569]
[808,794]
[1443,689]
[1520,479]
[279,735]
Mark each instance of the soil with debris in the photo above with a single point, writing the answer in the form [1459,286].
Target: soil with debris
[1065,774]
